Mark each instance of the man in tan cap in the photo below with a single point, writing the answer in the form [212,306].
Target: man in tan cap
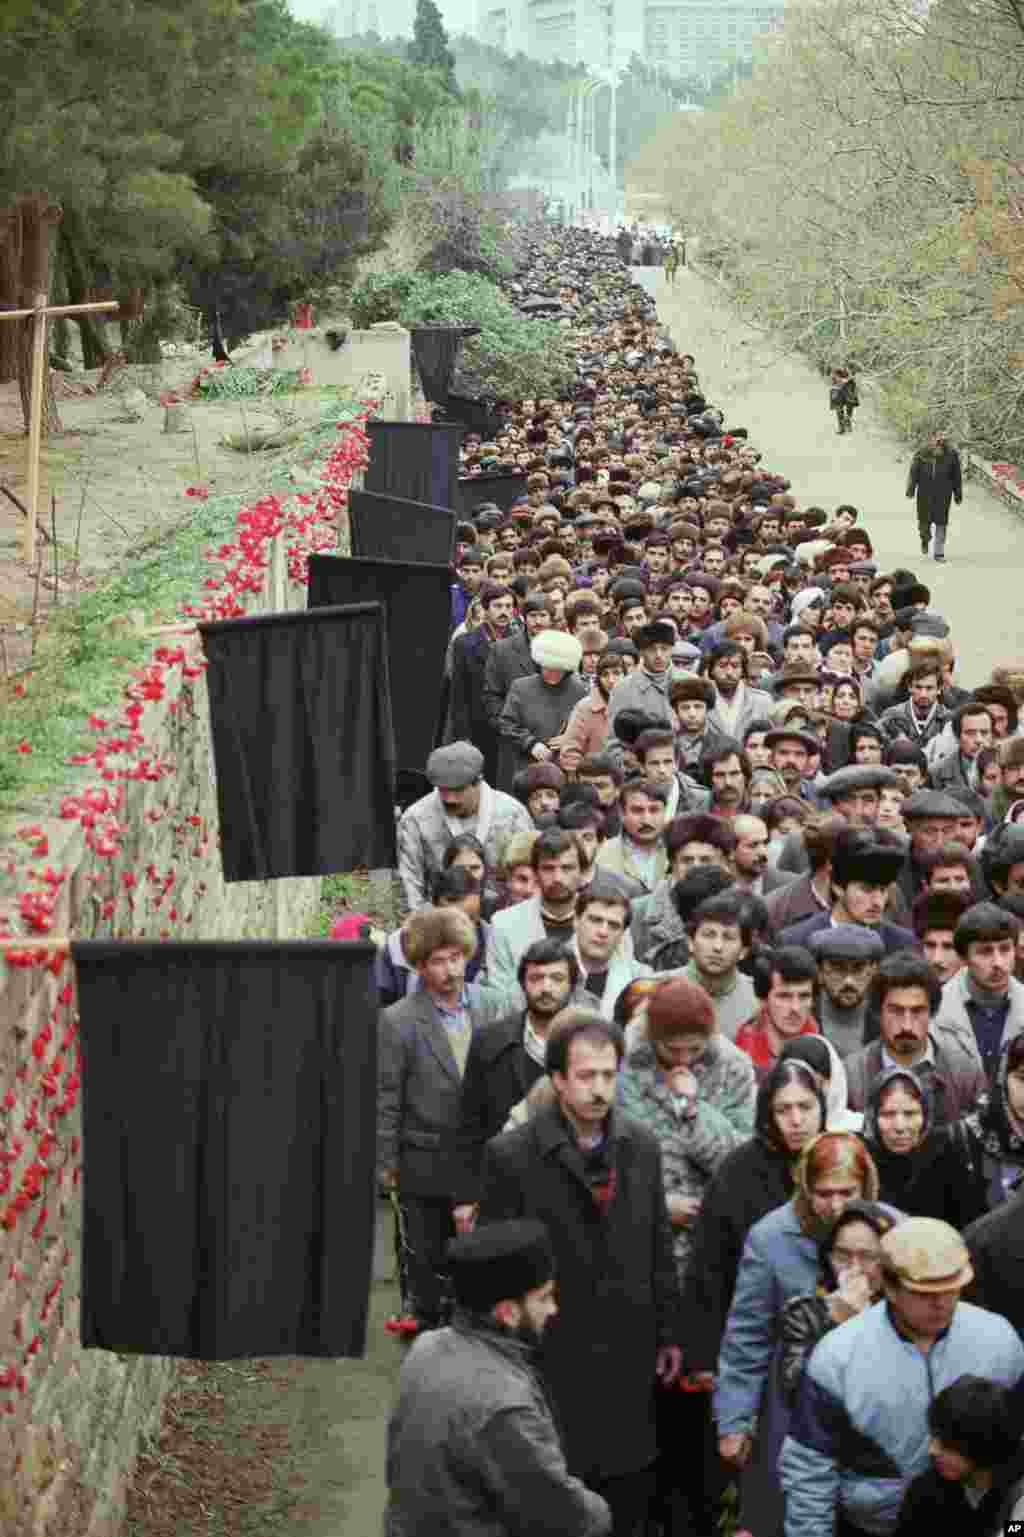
[860,1432]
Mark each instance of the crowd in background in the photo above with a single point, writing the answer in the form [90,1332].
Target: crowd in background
[702,1048]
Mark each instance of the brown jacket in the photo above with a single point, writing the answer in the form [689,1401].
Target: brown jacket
[586,732]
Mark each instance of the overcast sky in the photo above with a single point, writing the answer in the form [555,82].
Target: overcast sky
[457,13]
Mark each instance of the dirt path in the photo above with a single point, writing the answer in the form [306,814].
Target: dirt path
[782,401]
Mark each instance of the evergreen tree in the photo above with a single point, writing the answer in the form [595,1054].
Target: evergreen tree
[429,46]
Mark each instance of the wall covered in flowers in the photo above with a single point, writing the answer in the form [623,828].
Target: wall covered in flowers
[132,852]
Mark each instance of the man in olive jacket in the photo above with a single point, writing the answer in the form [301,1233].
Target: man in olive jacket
[594,1178]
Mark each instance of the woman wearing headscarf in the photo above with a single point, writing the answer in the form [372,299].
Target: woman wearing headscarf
[920,1169]
[849,1280]
[991,1137]
[780,1261]
[818,1052]
[752,1180]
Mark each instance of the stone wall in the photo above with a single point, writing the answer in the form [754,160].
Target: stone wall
[138,857]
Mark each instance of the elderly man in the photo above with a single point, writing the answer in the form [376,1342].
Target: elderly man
[461,802]
[848,957]
[855,792]
[860,1432]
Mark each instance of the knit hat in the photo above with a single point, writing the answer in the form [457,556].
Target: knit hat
[553,648]
[499,1262]
[455,766]
[679,1007]
[926,1255]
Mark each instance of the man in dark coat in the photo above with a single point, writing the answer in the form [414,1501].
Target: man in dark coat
[595,1179]
[468,719]
[862,877]
[935,479]
[510,658]
[996,1244]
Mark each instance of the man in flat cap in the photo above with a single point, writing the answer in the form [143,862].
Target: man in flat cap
[847,955]
[860,1431]
[855,791]
[931,818]
[461,802]
[472,1444]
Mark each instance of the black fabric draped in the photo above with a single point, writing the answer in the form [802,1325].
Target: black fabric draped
[414,460]
[303,741]
[392,528]
[502,490]
[478,414]
[228,1106]
[418,601]
[436,349]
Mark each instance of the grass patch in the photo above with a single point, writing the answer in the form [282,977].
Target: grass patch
[357,892]
[83,654]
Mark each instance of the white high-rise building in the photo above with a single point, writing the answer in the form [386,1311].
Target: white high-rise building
[685,37]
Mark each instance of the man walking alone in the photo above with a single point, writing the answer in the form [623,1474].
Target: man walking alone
[935,479]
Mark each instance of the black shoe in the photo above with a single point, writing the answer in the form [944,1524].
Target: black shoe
[940,557]
[924,549]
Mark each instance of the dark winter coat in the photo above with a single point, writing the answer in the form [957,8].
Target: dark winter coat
[473,1450]
[935,481]
[498,1074]
[932,1504]
[931,1180]
[617,1287]
[508,660]
[752,1181]
[534,711]
[996,1246]
[468,720]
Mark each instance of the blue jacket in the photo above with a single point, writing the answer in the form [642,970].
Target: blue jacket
[779,1262]
[859,1434]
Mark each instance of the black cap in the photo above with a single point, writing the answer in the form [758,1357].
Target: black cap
[499,1262]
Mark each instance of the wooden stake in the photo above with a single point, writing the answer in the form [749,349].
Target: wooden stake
[35,423]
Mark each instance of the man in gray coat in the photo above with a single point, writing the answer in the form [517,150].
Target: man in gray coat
[646,688]
[473,1450]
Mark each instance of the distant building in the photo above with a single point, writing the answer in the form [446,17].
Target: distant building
[703,38]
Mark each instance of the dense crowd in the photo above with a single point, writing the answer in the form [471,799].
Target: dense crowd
[701,1100]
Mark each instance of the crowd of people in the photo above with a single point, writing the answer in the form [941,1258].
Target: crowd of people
[701,1100]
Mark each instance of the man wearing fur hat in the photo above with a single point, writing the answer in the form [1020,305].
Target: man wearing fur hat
[472,1444]
[537,709]
[862,877]
[646,688]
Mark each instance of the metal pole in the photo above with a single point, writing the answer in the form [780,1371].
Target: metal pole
[613,149]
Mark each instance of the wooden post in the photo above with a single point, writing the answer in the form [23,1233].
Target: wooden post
[35,422]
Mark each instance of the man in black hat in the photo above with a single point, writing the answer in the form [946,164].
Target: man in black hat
[645,689]
[594,1177]
[472,1444]
[863,875]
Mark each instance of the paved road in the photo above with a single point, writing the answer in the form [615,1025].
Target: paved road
[782,402]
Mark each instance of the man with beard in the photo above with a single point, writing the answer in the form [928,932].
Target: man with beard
[587,728]
[645,689]
[472,1430]
[736,703]
[505,1060]
[848,957]
[550,914]
[923,716]
[594,1177]
[468,718]
[727,771]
